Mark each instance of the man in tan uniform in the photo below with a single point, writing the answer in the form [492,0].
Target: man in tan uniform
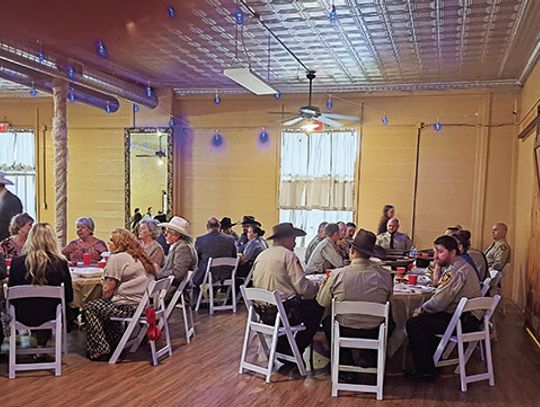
[392,239]
[315,241]
[326,254]
[362,280]
[498,254]
[459,280]
[277,268]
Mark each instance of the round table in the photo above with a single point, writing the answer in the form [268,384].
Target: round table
[87,285]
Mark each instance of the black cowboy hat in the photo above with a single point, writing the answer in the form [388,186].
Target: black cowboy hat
[364,242]
[285,229]
[226,223]
[249,220]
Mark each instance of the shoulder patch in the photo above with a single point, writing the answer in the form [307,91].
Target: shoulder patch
[503,248]
[446,278]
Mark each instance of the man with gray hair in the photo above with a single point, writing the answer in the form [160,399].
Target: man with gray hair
[315,241]
[10,205]
[498,254]
[326,254]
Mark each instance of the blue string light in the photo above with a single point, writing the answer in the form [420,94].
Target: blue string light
[332,16]
[277,95]
[264,136]
[385,120]
[100,49]
[437,126]
[33,90]
[135,108]
[71,71]
[217,99]
[41,56]
[217,140]
[149,91]
[329,103]
[239,17]
[108,108]
[171,122]
[171,11]
[71,96]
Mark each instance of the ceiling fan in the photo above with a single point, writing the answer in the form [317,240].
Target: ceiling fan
[313,113]
[158,153]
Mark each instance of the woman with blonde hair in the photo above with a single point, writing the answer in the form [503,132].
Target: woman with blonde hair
[19,228]
[41,263]
[126,276]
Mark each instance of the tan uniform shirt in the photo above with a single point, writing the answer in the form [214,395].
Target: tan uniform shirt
[459,280]
[325,256]
[131,276]
[498,254]
[401,241]
[362,280]
[311,246]
[278,268]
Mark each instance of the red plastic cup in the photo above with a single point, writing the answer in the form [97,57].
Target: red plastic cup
[400,271]
[413,279]
[86,259]
[102,264]
[8,262]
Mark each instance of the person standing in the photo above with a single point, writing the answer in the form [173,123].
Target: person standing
[10,205]
[388,213]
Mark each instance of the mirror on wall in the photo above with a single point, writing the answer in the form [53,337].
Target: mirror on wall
[148,155]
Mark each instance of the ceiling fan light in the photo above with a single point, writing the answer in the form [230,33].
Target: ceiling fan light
[248,79]
[312,126]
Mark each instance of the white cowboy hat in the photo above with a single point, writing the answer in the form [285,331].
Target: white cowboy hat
[4,180]
[179,225]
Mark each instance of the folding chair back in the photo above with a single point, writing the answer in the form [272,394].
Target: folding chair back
[209,282]
[179,301]
[281,327]
[57,325]
[379,344]
[154,294]
[454,335]
[485,286]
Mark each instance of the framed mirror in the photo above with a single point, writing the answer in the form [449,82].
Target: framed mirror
[148,176]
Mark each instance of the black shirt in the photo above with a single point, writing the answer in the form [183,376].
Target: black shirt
[36,311]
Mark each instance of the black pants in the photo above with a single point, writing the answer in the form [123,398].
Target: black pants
[345,354]
[421,331]
[298,310]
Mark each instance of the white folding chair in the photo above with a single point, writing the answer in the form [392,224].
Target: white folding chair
[57,325]
[281,327]
[485,286]
[379,344]
[189,326]
[155,293]
[209,283]
[454,335]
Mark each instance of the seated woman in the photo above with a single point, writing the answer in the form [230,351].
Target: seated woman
[148,232]
[41,263]
[19,227]
[87,243]
[252,249]
[126,276]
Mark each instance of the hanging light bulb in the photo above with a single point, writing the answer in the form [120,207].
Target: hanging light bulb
[33,90]
[71,95]
[329,103]
[264,136]
[332,16]
[149,91]
[239,17]
[100,49]
[217,139]
[71,71]
[108,108]
[40,55]
[171,122]
[135,108]
[171,11]
[437,126]
[277,95]
[385,120]
[217,99]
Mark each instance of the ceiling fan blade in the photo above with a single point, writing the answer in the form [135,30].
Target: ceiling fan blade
[326,120]
[145,155]
[342,117]
[292,122]
[287,113]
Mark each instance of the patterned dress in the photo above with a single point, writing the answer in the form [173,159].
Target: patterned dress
[74,250]
[9,249]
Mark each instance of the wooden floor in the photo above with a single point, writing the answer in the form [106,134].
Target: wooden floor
[205,373]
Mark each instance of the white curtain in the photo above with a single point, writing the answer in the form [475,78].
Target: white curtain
[18,162]
[318,170]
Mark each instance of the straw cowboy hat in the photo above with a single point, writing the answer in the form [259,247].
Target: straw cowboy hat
[179,225]
[4,180]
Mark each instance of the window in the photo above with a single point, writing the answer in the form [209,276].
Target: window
[317,179]
[18,162]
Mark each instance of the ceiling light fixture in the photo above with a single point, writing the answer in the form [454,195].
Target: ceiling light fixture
[248,79]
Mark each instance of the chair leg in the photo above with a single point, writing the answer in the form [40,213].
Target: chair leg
[210,295]
[335,365]
[12,353]
[489,361]
[201,290]
[234,295]
[167,336]
[297,355]
[462,362]
[58,348]
[380,370]
[272,356]
[123,341]
[153,351]
[245,346]
[184,315]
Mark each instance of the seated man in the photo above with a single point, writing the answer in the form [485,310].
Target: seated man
[459,280]
[351,230]
[226,228]
[498,254]
[278,268]
[326,254]
[343,244]
[392,239]
[214,244]
[242,240]
[315,241]
[362,280]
